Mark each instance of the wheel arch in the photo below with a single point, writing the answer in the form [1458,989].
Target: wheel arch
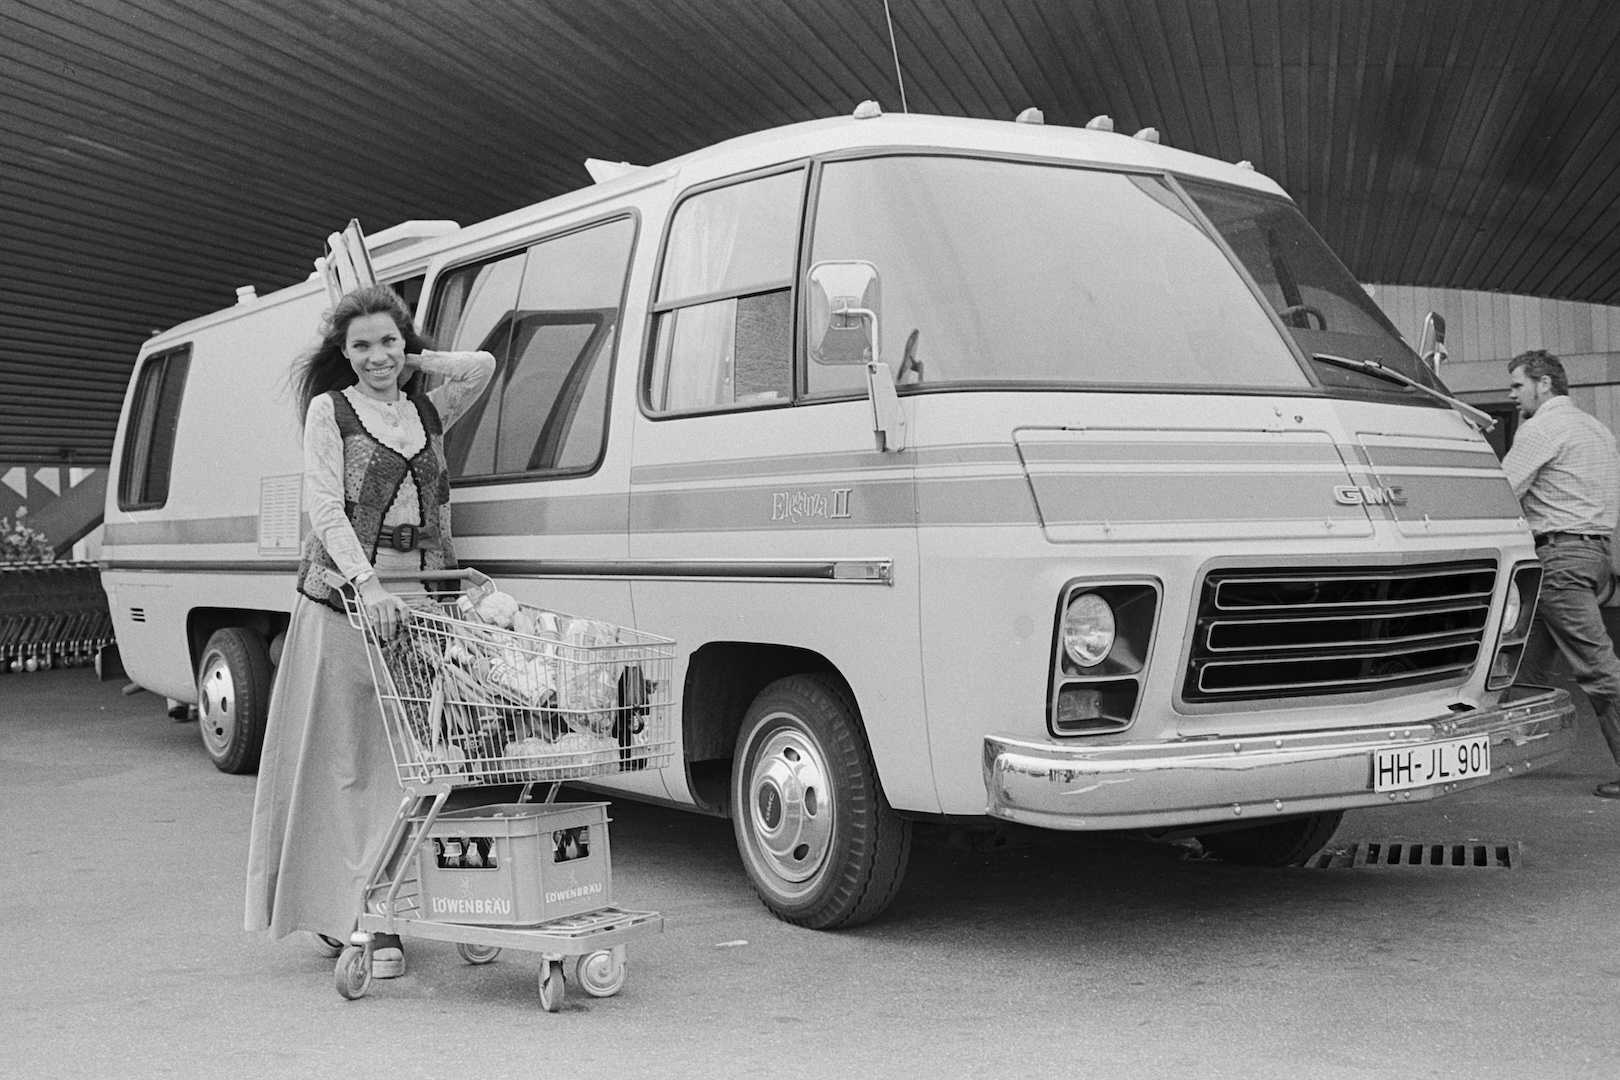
[202,622]
[722,680]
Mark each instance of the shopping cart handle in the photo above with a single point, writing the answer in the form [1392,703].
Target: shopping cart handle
[477,577]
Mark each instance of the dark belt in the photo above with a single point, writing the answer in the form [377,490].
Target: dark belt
[409,538]
[1566,537]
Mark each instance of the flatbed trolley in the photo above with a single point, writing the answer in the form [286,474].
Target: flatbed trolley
[476,690]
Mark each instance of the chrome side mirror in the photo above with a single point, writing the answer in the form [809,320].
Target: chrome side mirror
[845,302]
[845,299]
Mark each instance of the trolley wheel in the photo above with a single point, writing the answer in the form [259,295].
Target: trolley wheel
[821,844]
[329,947]
[233,698]
[552,985]
[353,974]
[601,973]
[478,954]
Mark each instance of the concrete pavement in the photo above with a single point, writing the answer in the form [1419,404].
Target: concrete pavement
[121,953]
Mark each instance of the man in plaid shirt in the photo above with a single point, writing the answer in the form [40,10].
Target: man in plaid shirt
[1566,472]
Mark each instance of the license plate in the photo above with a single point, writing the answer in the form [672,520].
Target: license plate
[1400,768]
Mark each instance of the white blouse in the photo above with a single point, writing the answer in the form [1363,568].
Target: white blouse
[397,425]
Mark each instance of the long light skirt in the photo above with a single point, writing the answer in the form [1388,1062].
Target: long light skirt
[328,789]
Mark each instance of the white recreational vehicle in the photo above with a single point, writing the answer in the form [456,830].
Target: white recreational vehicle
[982,470]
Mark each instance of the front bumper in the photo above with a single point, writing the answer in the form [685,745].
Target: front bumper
[1144,786]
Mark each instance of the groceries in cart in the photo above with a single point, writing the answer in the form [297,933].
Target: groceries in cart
[478,689]
[483,687]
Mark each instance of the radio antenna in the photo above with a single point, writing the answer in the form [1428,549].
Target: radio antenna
[899,78]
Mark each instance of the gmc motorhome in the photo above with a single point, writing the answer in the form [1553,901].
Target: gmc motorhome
[982,470]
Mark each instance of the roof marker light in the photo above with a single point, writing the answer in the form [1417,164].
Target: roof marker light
[1100,123]
[1030,115]
[1147,135]
[1246,164]
[602,171]
[868,110]
[246,294]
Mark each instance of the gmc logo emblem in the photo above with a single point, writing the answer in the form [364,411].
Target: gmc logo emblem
[1351,495]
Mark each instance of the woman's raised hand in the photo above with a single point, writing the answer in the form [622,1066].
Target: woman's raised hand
[384,610]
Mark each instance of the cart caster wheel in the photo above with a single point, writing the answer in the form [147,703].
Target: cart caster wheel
[329,947]
[478,954]
[601,974]
[552,985]
[353,974]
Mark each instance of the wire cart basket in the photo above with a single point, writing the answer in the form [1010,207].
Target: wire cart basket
[478,690]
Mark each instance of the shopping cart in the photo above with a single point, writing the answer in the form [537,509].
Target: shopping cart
[474,696]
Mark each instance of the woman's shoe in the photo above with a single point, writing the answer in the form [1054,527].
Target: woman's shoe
[387,957]
[1611,790]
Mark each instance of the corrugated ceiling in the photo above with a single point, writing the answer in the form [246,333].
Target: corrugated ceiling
[155,154]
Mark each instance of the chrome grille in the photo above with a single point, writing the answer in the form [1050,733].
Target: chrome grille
[1276,633]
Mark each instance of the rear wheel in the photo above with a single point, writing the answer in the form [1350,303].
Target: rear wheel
[233,698]
[478,954]
[1282,843]
[820,842]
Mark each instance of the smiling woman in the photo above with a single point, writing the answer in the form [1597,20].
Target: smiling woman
[377,493]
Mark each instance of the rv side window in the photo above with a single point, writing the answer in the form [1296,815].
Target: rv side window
[724,334]
[551,317]
[154,416]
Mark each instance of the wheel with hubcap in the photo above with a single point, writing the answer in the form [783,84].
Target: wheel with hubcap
[233,698]
[1281,843]
[821,844]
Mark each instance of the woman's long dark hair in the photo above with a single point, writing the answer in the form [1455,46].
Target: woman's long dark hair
[325,367]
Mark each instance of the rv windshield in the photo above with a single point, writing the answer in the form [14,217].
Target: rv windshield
[1007,273]
[1322,305]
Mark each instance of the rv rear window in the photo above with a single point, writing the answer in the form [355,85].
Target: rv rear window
[154,417]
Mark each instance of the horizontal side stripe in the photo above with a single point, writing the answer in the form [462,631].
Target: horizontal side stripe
[1452,497]
[856,504]
[218,530]
[820,465]
[561,515]
[1169,497]
[1385,457]
[971,454]
[993,500]
[1264,453]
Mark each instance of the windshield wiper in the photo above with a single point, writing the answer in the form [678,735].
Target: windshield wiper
[1389,374]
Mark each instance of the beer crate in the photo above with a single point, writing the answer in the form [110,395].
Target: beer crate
[515,865]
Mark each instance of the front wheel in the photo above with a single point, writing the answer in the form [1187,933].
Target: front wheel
[353,973]
[821,844]
[233,698]
[1282,843]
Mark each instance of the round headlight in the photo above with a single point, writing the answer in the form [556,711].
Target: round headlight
[1510,610]
[1088,629]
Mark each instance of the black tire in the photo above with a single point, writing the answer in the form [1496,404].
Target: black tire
[822,846]
[1282,843]
[233,698]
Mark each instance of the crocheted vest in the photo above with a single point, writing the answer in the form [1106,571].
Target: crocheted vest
[372,475]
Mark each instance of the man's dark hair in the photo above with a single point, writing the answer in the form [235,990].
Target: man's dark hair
[1539,362]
